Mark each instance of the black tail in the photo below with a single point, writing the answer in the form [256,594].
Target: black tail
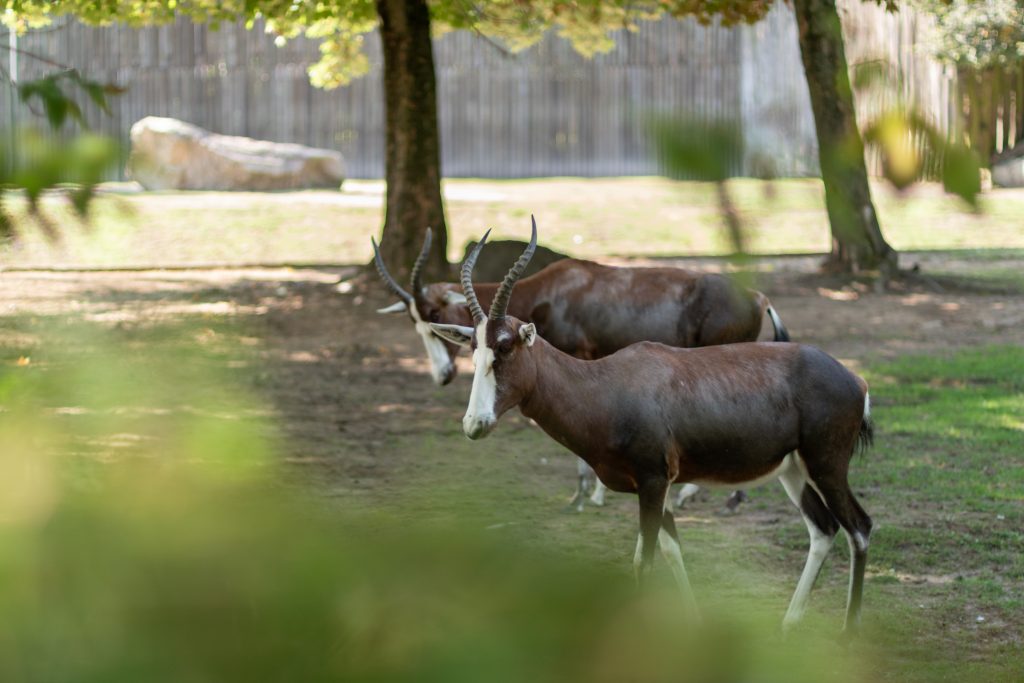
[781,333]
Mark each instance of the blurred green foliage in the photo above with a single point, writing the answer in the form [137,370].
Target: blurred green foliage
[43,163]
[33,162]
[58,106]
[700,150]
[912,148]
[145,535]
[340,26]
[977,35]
[706,151]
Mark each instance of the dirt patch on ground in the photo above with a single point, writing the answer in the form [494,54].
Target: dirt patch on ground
[345,379]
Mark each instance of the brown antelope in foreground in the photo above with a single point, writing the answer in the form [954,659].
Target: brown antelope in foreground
[590,310]
[650,415]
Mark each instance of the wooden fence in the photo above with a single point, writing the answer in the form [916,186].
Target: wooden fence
[544,112]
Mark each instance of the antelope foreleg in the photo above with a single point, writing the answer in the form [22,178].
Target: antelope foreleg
[651,494]
[668,539]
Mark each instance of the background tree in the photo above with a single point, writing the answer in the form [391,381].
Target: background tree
[857,241]
[412,140]
[985,42]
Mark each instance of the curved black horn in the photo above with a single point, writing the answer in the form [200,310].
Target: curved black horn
[416,280]
[500,303]
[386,276]
[467,281]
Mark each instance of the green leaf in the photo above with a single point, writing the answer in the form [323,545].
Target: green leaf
[696,149]
[961,173]
[97,93]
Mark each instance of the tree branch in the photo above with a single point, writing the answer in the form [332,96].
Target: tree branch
[37,57]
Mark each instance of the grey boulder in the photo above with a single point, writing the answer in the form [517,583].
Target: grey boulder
[168,154]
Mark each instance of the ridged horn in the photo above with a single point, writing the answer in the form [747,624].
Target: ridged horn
[500,304]
[416,280]
[467,281]
[386,276]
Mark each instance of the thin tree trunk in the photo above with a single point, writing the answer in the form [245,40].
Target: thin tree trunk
[857,241]
[412,142]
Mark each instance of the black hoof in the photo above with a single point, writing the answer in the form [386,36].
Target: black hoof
[735,500]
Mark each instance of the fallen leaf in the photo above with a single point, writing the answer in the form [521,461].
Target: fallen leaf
[837,295]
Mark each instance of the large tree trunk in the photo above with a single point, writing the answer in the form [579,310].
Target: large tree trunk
[857,241]
[412,146]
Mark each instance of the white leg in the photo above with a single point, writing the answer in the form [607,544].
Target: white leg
[583,475]
[793,481]
[597,497]
[673,555]
[638,556]
[686,492]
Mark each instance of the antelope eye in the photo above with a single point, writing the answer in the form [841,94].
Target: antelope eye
[434,316]
[504,346]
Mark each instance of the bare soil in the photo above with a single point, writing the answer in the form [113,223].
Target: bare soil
[344,379]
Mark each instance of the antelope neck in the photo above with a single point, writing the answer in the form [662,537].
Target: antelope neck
[566,396]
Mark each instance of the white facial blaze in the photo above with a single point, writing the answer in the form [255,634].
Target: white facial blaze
[480,412]
[440,363]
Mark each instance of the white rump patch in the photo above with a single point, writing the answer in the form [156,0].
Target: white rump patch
[867,406]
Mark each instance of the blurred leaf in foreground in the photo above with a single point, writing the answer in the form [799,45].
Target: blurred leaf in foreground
[706,151]
[912,148]
[34,162]
[177,554]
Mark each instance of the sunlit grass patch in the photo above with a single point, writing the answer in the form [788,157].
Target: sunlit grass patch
[585,217]
[949,477]
[96,394]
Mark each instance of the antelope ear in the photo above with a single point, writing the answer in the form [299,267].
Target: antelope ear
[456,334]
[453,298]
[528,333]
[397,307]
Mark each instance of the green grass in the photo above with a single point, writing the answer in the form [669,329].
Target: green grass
[945,485]
[589,218]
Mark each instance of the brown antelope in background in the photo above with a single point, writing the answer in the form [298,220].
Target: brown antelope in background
[650,415]
[590,310]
